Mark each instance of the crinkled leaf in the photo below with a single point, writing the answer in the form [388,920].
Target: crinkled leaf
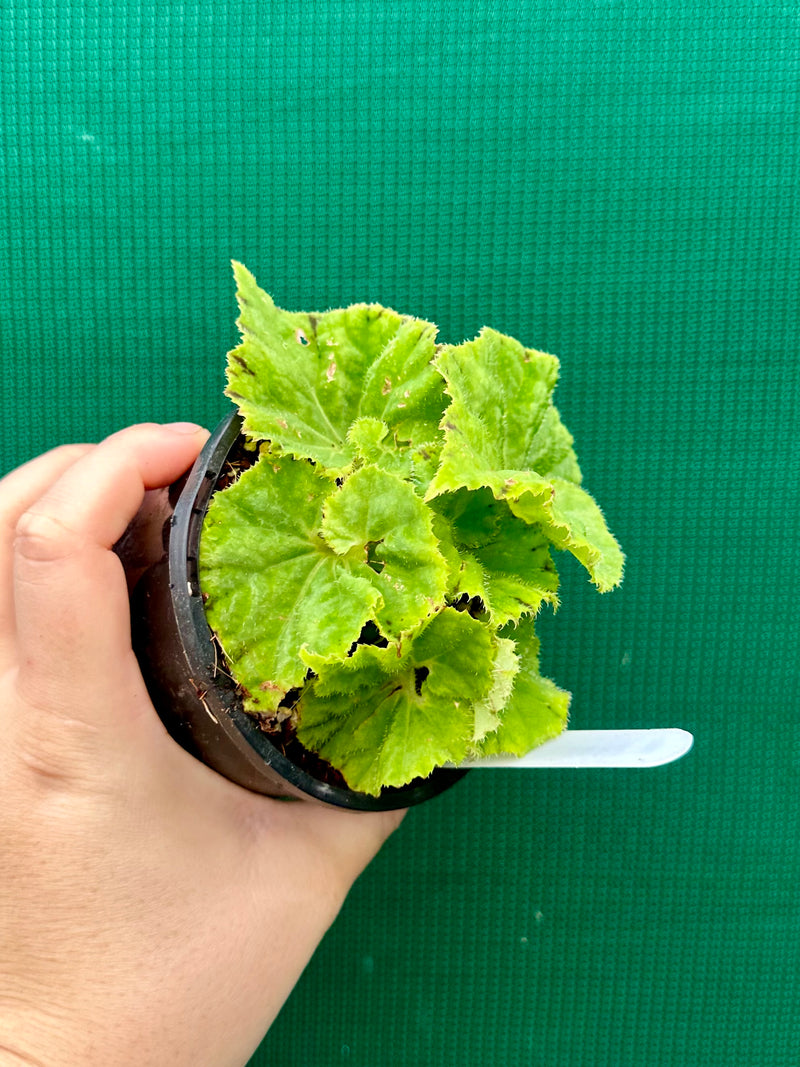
[503,560]
[501,395]
[573,521]
[519,570]
[489,708]
[300,380]
[273,586]
[505,596]
[373,443]
[537,709]
[553,448]
[402,388]
[472,581]
[465,576]
[367,436]
[502,432]
[379,520]
[474,517]
[444,537]
[385,719]
[425,460]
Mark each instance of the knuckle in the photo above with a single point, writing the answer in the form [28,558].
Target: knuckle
[128,435]
[71,452]
[44,767]
[42,537]
[38,469]
[57,748]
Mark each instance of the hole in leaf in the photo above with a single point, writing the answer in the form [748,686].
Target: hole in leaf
[376,564]
[301,338]
[420,674]
[473,606]
[371,635]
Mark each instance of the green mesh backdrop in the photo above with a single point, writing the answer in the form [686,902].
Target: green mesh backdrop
[614,182]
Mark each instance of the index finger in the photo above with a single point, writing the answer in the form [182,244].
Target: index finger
[71,603]
[19,490]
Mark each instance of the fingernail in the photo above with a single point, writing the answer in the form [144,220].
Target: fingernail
[183,427]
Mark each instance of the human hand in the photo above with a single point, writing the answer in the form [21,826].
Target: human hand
[151,912]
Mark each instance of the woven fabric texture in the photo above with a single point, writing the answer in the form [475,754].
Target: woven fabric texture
[613,182]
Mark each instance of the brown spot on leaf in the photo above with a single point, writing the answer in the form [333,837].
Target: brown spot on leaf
[240,361]
[387,386]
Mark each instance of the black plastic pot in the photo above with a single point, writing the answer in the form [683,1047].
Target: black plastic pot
[180,661]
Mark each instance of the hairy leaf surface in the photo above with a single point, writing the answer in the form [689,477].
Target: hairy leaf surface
[301,380]
[571,520]
[503,560]
[503,433]
[377,519]
[501,398]
[273,585]
[385,719]
[536,710]
[488,709]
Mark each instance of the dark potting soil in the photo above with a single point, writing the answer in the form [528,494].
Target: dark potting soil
[284,738]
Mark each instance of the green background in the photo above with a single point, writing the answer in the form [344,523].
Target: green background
[614,182]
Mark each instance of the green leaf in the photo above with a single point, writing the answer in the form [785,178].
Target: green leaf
[501,394]
[377,519]
[471,581]
[301,380]
[474,517]
[489,708]
[368,435]
[444,536]
[537,709]
[374,444]
[503,433]
[573,521]
[273,586]
[519,570]
[503,560]
[402,388]
[385,719]
[553,448]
